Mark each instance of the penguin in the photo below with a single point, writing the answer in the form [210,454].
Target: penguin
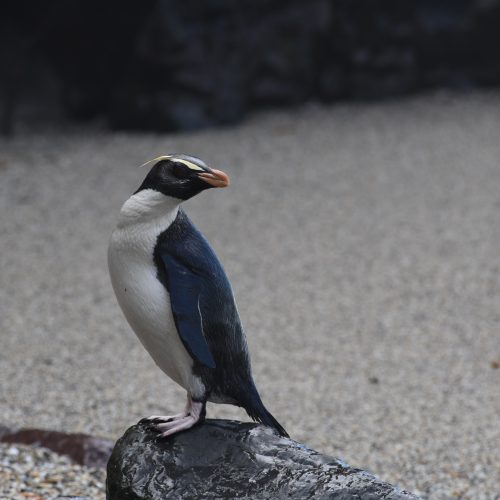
[177,298]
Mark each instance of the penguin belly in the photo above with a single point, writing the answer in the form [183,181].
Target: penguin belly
[146,305]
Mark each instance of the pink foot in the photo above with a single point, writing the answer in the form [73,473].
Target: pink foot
[170,418]
[165,418]
[192,416]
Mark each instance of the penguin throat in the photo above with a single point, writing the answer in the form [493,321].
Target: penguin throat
[146,206]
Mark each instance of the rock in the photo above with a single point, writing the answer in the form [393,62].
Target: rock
[81,448]
[228,459]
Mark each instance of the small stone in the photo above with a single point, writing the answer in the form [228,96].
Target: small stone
[39,474]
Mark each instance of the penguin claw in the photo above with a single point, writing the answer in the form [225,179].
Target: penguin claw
[168,425]
[165,426]
[177,426]
[154,419]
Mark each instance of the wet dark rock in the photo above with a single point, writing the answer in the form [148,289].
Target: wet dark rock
[81,448]
[227,459]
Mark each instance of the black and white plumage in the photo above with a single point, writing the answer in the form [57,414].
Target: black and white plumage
[177,297]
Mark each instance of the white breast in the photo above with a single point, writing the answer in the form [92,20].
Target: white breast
[143,299]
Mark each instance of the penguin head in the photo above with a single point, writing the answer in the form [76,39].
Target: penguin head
[181,176]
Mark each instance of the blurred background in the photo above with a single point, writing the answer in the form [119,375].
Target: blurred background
[360,233]
[169,65]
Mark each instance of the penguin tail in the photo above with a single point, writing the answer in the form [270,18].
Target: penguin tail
[258,412]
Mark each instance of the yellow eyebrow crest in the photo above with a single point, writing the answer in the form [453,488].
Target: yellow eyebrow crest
[155,160]
[188,164]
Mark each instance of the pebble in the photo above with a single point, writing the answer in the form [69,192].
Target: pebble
[28,472]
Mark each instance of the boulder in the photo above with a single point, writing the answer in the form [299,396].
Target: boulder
[228,459]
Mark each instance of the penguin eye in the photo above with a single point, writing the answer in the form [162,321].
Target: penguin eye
[180,171]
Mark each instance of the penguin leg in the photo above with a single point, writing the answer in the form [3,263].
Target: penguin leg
[170,418]
[195,415]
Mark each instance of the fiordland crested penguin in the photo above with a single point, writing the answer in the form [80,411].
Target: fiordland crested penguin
[176,296]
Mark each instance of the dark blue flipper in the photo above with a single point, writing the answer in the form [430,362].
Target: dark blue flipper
[184,288]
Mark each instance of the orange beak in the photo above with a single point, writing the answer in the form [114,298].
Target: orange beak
[216,178]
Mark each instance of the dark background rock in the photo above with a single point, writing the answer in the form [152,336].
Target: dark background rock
[81,448]
[227,459]
[172,65]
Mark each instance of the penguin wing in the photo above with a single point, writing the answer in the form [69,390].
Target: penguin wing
[185,288]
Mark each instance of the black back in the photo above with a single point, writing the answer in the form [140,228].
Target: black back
[198,287]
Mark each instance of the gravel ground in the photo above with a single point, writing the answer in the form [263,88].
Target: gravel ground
[38,474]
[363,245]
